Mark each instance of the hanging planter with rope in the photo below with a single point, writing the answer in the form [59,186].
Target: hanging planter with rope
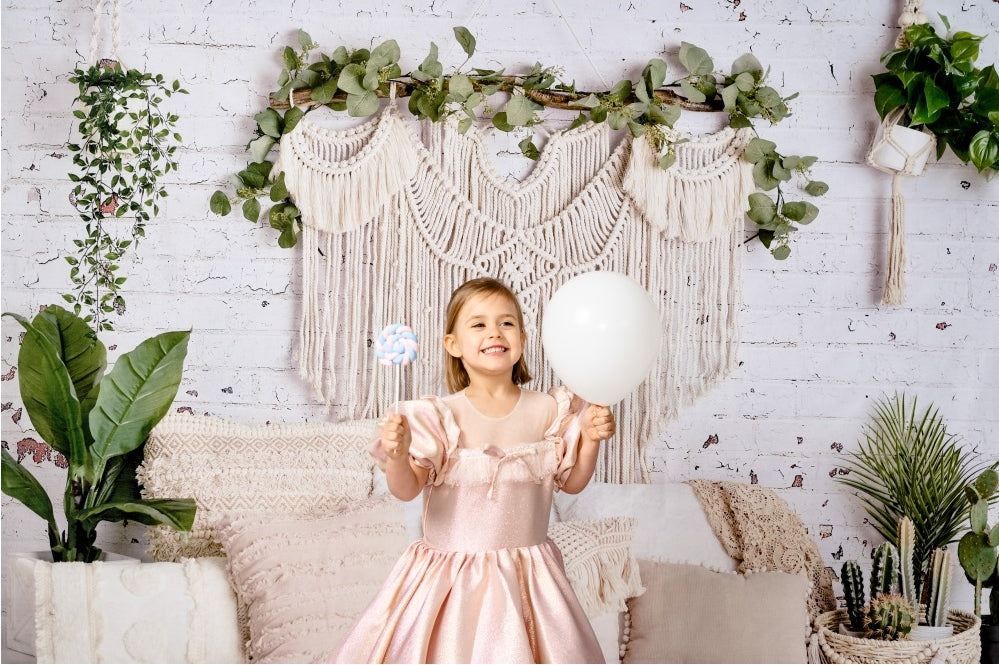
[126,144]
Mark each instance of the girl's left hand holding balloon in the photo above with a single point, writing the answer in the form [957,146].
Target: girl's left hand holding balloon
[598,423]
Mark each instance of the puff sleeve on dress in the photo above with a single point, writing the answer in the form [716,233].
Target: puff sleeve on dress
[434,434]
[565,431]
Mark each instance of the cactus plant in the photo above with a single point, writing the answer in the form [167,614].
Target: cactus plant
[906,554]
[884,570]
[938,584]
[889,617]
[977,550]
[853,590]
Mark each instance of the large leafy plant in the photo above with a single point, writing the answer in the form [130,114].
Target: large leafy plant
[354,80]
[126,145]
[935,83]
[907,464]
[99,422]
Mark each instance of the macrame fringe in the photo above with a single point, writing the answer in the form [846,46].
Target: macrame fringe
[340,179]
[894,293]
[693,200]
[456,218]
[600,592]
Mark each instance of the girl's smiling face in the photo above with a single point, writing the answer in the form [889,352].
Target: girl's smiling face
[487,336]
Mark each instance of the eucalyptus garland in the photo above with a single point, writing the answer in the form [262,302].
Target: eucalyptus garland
[354,80]
[127,143]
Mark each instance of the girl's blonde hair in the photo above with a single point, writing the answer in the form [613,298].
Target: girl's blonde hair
[454,370]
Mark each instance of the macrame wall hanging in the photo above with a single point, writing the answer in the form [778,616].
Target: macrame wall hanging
[900,151]
[395,220]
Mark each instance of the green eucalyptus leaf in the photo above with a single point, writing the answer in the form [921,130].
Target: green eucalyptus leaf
[279,191]
[801,212]
[759,149]
[362,105]
[465,39]
[747,63]
[528,149]
[816,188]
[520,110]
[324,92]
[500,122]
[461,85]
[621,91]
[781,252]
[291,118]
[251,210]
[259,147]
[350,79]
[269,122]
[695,59]
[655,73]
[387,51]
[691,93]
[730,96]
[588,102]
[762,208]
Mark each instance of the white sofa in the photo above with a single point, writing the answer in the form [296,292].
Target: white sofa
[295,532]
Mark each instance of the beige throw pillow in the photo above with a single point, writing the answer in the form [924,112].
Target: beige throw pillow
[305,580]
[691,614]
[304,468]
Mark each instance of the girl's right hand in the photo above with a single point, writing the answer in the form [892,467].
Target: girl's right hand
[395,437]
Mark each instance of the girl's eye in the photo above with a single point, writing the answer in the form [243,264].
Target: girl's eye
[478,325]
[508,323]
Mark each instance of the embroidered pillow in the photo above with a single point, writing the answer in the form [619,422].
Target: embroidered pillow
[305,580]
[691,614]
[292,468]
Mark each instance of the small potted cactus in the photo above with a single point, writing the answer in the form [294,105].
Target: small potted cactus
[978,552]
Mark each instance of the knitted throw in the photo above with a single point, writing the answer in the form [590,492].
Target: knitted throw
[393,224]
[761,531]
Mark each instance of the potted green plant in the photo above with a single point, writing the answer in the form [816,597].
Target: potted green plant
[126,145]
[99,422]
[932,84]
[978,553]
[908,465]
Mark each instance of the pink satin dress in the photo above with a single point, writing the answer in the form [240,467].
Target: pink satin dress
[485,584]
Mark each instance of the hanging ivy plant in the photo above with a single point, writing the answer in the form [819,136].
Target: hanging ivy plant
[127,143]
[353,81]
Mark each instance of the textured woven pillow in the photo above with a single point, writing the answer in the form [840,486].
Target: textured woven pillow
[305,580]
[301,468]
[691,614]
[599,562]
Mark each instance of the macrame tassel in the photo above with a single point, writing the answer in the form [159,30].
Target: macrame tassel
[895,279]
[340,179]
[694,200]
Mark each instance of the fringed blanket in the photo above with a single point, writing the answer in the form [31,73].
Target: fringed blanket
[761,531]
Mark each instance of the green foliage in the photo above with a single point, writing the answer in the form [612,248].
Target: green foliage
[853,591]
[908,465]
[906,553]
[884,570]
[978,550]
[353,81]
[938,587]
[99,422]
[936,84]
[126,145]
[889,617]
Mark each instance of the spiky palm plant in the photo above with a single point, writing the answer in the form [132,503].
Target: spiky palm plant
[907,464]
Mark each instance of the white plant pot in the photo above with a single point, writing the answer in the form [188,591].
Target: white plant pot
[20,619]
[930,633]
[910,142]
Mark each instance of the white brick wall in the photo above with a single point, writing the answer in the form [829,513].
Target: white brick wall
[817,347]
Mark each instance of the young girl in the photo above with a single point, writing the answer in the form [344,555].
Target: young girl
[484,584]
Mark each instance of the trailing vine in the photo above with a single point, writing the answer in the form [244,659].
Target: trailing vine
[127,143]
[355,80]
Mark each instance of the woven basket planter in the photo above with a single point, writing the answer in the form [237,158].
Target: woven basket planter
[964,646]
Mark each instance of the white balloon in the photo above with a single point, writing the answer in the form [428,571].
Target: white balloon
[601,334]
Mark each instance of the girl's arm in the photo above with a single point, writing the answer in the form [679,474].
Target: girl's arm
[598,425]
[405,480]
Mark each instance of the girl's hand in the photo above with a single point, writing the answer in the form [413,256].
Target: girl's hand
[395,437]
[598,423]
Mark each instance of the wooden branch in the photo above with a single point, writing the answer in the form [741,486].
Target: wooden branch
[558,99]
